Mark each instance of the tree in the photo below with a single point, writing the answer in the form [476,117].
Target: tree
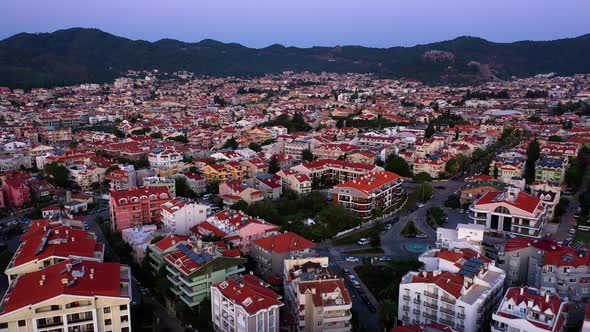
[231,144]
[157,135]
[429,131]
[182,188]
[555,138]
[274,165]
[375,234]
[424,192]
[110,169]
[533,153]
[496,172]
[254,147]
[58,175]
[398,165]
[307,155]
[388,313]
[422,177]
[240,205]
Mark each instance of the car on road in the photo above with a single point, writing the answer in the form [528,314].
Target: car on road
[388,227]
[363,241]
[422,236]
[384,259]
[371,307]
[351,259]
[346,271]
[572,231]
[420,205]
[355,284]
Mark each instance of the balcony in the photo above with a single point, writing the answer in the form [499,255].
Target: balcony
[431,294]
[417,301]
[406,297]
[416,312]
[447,311]
[42,323]
[406,318]
[429,316]
[461,315]
[79,318]
[448,300]
[431,305]
[406,308]
[447,322]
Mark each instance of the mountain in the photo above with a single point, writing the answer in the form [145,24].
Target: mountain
[79,55]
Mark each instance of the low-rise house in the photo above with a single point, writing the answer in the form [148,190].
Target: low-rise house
[236,190]
[139,238]
[550,169]
[180,214]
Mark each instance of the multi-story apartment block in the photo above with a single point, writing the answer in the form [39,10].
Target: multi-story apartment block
[236,190]
[528,309]
[244,303]
[47,243]
[368,193]
[315,297]
[334,171]
[164,158]
[458,288]
[196,182]
[548,265]
[513,212]
[270,252]
[17,192]
[180,214]
[224,172]
[333,151]
[235,227]
[137,206]
[73,295]
[120,180]
[158,181]
[159,250]
[300,183]
[550,169]
[194,266]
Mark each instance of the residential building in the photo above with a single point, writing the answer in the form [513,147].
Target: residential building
[244,303]
[530,309]
[236,190]
[550,169]
[120,180]
[512,211]
[270,252]
[164,158]
[334,171]
[137,206]
[17,192]
[269,184]
[459,288]
[475,188]
[194,266]
[300,183]
[160,249]
[369,193]
[547,265]
[157,181]
[235,227]
[465,236]
[196,182]
[316,297]
[46,244]
[433,327]
[72,295]
[139,238]
[224,172]
[180,214]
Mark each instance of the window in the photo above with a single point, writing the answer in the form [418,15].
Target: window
[108,322]
[3,325]
[107,310]
[124,318]
[22,323]
[523,310]
[123,307]
[125,329]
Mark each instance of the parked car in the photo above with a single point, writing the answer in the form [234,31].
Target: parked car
[351,259]
[346,271]
[388,227]
[421,236]
[371,307]
[363,241]
[384,259]
[420,205]
[572,231]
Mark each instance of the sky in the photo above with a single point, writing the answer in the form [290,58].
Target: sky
[305,23]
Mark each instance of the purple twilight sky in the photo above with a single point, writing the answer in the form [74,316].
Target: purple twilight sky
[259,23]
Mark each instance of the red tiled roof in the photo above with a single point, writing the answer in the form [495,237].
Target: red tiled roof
[370,181]
[169,241]
[284,242]
[105,281]
[522,201]
[249,292]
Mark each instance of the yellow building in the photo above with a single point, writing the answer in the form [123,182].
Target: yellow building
[224,172]
[74,295]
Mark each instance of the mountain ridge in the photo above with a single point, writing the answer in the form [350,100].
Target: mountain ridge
[77,55]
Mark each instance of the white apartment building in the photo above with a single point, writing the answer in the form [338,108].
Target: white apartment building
[458,288]
[465,236]
[162,158]
[527,309]
[513,212]
[316,298]
[180,214]
[244,303]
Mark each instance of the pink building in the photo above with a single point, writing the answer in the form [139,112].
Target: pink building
[17,192]
[138,206]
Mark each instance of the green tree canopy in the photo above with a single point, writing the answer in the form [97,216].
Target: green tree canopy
[274,165]
[58,175]
[424,192]
[422,177]
[307,155]
[398,165]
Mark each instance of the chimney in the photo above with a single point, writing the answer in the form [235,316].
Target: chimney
[521,290]
[41,282]
[199,244]
[68,195]
[547,297]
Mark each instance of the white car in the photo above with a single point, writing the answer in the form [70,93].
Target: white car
[352,259]
[420,205]
[363,241]
[421,236]
[572,231]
